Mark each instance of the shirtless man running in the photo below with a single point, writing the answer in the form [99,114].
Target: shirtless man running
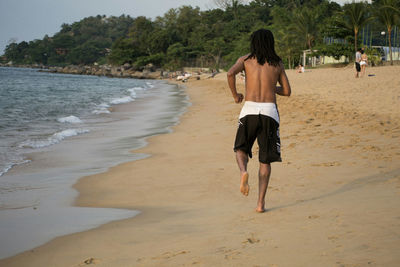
[259,118]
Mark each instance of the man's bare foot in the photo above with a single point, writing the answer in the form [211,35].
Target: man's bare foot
[260,208]
[244,185]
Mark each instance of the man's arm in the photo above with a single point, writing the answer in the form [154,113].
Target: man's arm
[235,69]
[284,89]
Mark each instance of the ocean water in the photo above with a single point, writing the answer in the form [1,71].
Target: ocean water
[42,109]
[57,128]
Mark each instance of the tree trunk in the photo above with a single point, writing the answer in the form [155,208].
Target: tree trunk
[235,4]
[355,38]
[363,35]
[390,44]
[370,42]
[217,59]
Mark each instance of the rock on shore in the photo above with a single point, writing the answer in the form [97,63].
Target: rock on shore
[125,71]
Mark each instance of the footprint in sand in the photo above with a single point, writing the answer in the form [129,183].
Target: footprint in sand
[168,254]
[371,148]
[251,240]
[292,145]
[223,250]
[341,264]
[333,238]
[232,255]
[274,189]
[89,261]
[326,164]
[329,132]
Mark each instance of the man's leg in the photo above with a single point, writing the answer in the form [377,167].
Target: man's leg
[263,180]
[242,158]
[357,69]
[356,73]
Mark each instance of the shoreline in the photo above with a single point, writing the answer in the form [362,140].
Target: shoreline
[111,71]
[98,109]
[54,168]
[188,190]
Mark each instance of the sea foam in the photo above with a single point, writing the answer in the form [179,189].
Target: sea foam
[69,119]
[9,165]
[54,139]
[121,100]
[149,84]
[137,88]
[102,109]
[132,91]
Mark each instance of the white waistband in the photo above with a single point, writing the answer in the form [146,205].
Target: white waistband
[256,108]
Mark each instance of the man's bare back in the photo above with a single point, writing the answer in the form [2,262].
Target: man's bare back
[261,81]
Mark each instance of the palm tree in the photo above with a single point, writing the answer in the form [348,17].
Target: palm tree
[287,44]
[387,13]
[353,17]
[305,23]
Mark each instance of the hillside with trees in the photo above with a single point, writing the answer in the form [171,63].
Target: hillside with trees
[188,36]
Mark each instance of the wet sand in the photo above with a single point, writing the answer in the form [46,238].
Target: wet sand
[333,201]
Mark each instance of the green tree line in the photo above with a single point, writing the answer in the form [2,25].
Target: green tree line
[83,42]
[188,36]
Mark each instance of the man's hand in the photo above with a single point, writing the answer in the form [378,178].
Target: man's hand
[239,98]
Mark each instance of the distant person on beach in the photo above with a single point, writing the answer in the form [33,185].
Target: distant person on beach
[363,62]
[357,62]
[300,68]
[259,118]
[213,73]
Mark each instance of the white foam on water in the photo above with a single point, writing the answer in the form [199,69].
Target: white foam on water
[104,105]
[102,109]
[69,119]
[52,140]
[10,165]
[133,92]
[122,100]
[6,169]
[138,88]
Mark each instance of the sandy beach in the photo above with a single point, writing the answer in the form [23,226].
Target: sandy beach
[333,201]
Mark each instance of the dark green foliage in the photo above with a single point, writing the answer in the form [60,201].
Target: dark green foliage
[83,42]
[155,59]
[215,38]
[123,51]
[334,50]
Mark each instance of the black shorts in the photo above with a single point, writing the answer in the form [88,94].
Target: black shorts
[358,67]
[263,128]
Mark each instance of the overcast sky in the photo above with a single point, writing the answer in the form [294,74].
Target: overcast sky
[26,20]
